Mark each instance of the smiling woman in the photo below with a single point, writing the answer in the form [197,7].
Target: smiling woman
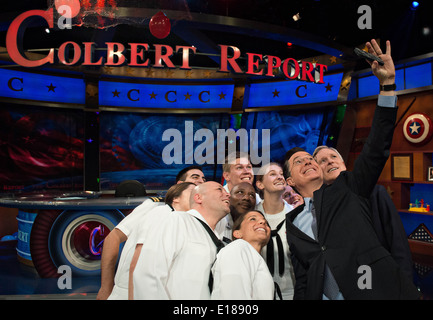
[239,272]
[271,183]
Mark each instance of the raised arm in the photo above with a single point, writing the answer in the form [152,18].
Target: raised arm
[369,165]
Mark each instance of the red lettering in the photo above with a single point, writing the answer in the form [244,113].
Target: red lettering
[295,68]
[254,64]
[115,54]
[231,61]
[88,54]
[271,65]
[135,53]
[111,52]
[15,35]
[322,69]
[185,55]
[159,57]
[62,53]
[307,72]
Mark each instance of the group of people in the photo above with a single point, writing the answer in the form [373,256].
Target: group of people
[301,231]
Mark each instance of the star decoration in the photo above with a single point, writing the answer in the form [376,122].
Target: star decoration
[115,93]
[108,70]
[187,96]
[314,61]
[276,93]
[188,74]
[152,95]
[51,88]
[130,71]
[207,74]
[150,72]
[169,73]
[345,85]
[238,100]
[414,128]
[333,59]
[328,87]
[222,95]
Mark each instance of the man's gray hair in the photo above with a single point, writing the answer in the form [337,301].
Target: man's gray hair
[316,151]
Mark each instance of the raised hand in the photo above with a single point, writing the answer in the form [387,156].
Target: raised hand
[385,73]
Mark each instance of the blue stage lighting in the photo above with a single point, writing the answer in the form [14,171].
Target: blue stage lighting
[415,4]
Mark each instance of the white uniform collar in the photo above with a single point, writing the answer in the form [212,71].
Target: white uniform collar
[197,214]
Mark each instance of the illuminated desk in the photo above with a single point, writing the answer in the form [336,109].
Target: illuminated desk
[66,230]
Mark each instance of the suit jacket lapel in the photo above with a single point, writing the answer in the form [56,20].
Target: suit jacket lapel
[290,227]
[317,198]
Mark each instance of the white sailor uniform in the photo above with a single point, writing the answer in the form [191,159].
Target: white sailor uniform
[241,273]
[281,269]
[131,226]
[175,260]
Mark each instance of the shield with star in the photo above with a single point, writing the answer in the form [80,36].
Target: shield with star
[417,128]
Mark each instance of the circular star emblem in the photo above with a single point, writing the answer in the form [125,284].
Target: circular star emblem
[417,128]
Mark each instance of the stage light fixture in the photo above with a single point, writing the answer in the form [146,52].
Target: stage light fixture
[296,17]
[415,5]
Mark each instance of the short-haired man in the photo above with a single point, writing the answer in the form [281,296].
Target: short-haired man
[331,236]
[122,231]
[237,168]
[192,174]
[242,199]
[177,255]
[385,217]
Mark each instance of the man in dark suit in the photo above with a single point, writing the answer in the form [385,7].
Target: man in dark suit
[335,250]
[384,214]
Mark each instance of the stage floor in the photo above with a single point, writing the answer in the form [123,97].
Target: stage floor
[21,282]
[18,281]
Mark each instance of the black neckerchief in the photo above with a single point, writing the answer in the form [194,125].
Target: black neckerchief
[270,251]
[218,244]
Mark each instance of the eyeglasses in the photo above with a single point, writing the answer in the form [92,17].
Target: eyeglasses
[301,160]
